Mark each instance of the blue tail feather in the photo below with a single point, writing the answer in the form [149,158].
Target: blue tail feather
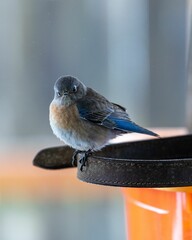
[132,127]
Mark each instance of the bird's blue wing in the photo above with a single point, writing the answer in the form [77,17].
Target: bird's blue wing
[96,109]
[93,111]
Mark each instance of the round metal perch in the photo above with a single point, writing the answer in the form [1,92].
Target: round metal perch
[165,162]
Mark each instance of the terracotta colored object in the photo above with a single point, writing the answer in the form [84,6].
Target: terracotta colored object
[155,214]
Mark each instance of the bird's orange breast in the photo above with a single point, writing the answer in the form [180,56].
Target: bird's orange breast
[64,117]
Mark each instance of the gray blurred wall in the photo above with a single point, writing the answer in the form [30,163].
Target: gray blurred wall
[133,52]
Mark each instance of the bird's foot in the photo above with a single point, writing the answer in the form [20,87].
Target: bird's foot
[74,157]
[83,160]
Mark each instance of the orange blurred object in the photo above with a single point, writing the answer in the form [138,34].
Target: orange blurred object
[156,214]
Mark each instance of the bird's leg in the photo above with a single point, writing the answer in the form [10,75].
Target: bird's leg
[74,157]
[83,160]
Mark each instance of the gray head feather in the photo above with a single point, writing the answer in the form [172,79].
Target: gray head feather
[68,90]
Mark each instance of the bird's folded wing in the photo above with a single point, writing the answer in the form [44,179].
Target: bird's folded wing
[97,109]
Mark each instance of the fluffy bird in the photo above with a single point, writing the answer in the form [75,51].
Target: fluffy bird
[86,120]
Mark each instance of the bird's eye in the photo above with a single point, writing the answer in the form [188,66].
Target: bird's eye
[58,94]
[74,88]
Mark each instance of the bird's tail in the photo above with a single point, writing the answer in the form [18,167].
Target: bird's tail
[129,126]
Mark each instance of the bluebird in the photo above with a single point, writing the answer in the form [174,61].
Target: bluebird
[86,120]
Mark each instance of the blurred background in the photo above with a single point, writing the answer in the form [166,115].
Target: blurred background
[136,53]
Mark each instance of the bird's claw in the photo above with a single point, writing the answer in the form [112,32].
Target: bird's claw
[83,160]
[74,157]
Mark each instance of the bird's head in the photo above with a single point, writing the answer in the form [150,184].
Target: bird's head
[68,90]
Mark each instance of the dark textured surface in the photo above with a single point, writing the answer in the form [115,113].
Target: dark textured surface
[54,158]
[165,162]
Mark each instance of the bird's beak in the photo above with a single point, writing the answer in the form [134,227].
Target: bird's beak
[66,93]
